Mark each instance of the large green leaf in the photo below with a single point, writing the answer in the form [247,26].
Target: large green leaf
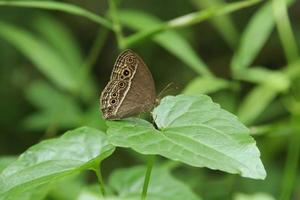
[129,183]
[45,58]
[195,131]
[76,150]
[170,40]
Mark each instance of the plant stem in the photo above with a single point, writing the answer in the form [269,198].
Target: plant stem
[147,176]
[100,179]
[60,6]
[113,12]
[291,165]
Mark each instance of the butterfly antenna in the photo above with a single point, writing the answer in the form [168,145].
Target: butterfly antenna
[165,89]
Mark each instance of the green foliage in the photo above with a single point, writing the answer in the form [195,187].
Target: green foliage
[77,150]
[195,131]
[57,90]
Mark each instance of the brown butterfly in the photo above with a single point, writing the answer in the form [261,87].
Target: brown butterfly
[130,90]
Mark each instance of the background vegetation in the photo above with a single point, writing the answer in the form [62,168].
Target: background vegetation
[56,57]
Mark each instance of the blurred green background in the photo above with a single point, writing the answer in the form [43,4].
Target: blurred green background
[54,65]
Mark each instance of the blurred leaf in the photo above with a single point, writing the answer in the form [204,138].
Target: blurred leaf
[129,183]
[256,102]
[259,29]
[285,30]
[223,24]
[189,20]
[275,79]
[75,151]
[61,38]
[5,161]
[170,40]
[45,58]
[55,108]
[257,196]
[195,131]
[205,85]
[59,6]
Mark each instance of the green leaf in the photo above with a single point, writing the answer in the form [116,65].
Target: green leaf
[59,6]
[129,183]
[256,102]
[275,79]
[223,24]
[195,131]
[60,110]
[190,19]
[259,29]
[170,40]
[205,85]
[75,151]
[257,196]
[45,58]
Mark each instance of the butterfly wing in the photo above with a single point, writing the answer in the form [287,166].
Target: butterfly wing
[131,88]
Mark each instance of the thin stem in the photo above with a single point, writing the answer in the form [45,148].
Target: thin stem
[60,6]
[116,23]
[285,30]
[147,176]
[291,165]
[188,20]
[100,179]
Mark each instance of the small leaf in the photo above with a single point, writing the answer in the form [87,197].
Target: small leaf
[260,28]
[129,183]
[277,80]
[256,102]
[75,151]
[195,131]
[205,85]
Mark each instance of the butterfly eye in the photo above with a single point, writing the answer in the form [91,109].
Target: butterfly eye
[121,84]
[114,94]
[126,72]
[130,60]
[113,102]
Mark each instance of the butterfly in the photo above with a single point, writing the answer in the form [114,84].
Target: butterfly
[130,90]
